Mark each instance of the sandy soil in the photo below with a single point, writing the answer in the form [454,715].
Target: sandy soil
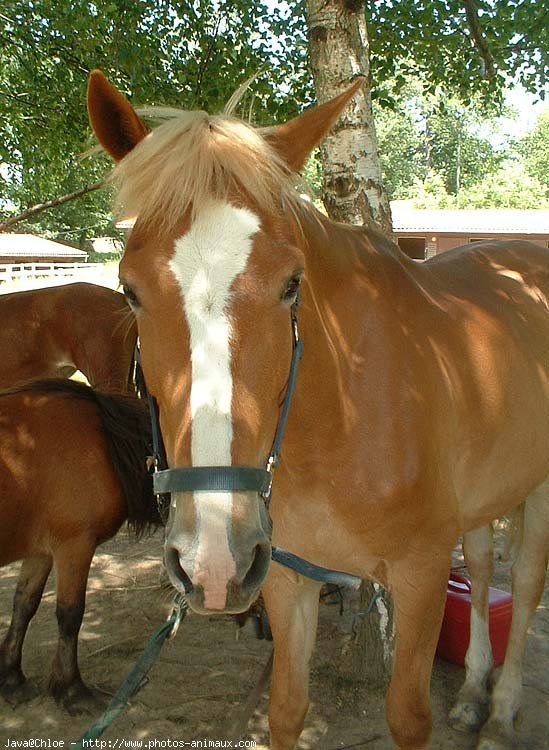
[205,673]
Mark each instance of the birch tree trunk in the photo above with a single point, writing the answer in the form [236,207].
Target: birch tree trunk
[339,52]
[353,193]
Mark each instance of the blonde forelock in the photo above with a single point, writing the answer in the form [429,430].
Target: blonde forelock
[192,158]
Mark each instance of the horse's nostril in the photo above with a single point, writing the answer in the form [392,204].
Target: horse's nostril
[258,569]
[178,578]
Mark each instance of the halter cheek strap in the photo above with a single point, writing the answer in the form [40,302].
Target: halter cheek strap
[297,353]
[223,478]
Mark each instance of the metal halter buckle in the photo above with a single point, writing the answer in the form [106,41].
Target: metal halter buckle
[269,468]
[179,609]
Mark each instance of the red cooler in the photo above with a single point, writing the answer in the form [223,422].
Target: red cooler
[454,633]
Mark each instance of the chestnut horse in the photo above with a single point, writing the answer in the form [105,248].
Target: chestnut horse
[55,331]
[72,469]
[420,412]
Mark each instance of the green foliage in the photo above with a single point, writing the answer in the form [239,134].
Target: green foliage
[312,174]
[534,149]
[194,54]
[434,135]
[455,148]
[431,40]
[509,187]
[431,193]
[187,54]
[431,141]
[402,151]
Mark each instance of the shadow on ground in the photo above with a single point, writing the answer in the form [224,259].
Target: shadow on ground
[205,674]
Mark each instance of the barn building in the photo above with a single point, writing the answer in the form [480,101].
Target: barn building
[422,233]
[28,248]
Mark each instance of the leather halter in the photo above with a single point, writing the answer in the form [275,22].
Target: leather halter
[239,478]
[224,478]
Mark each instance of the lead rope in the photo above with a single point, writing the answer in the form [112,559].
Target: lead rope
[137,678]
[239,725]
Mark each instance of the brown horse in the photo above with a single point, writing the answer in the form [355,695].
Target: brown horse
[72,469]
[55,331]
[421,409]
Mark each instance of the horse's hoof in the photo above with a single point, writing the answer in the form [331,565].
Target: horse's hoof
[496,736]
[468,716]
[489,743]
[15,689]
[90,704]
[78,699]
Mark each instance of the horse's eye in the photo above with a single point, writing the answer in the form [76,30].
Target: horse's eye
[130,295]
[292,288]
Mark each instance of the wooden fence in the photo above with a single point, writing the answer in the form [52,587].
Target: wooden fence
[25,271]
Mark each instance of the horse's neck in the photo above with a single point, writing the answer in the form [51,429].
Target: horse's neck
[354,274]
[353,322]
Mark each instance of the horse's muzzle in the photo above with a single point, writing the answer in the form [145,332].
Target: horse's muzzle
[211,590]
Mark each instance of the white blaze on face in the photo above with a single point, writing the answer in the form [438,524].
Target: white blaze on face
[206,262]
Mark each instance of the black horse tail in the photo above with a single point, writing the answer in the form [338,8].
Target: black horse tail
[127,432]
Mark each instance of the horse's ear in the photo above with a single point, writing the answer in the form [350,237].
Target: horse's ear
[295,139]
[112,117]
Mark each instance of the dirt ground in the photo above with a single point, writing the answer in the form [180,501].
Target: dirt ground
[205,674]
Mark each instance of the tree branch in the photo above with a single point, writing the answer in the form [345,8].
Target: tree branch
[206,57]
[54,202]
[475,30]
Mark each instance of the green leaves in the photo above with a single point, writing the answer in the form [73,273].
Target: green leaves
[534,149]
[430,136]
[433,40]
[195,53]
[191,55]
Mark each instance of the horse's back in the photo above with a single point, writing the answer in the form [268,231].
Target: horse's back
[102,333]
[503,284]
[484,259]
[28,347]
[489,336]
[54,331]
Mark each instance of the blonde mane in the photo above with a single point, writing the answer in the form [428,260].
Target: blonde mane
[192,158]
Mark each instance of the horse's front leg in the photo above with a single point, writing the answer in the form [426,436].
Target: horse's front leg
[292,606]
[419,590]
